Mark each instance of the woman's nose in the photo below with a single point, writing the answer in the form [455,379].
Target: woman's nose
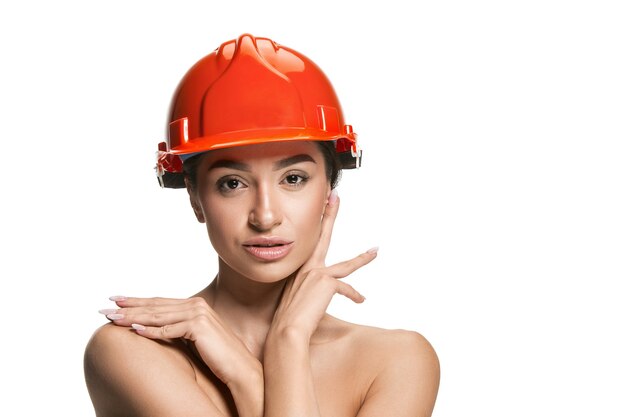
[265,212]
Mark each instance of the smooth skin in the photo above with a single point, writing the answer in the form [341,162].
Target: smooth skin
[258,341]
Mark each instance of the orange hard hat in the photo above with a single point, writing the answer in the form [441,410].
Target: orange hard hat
[248,91]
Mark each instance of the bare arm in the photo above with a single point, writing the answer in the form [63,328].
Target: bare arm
[289,385]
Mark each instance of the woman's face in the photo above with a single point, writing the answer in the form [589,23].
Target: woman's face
[263,205]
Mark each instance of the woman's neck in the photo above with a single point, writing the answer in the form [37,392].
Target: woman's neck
[246,306]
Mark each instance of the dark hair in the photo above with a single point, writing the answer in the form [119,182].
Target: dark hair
[331,163]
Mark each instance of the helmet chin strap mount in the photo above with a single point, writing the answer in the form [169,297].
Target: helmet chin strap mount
[351,159]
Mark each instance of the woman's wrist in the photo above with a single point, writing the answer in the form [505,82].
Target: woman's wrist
[246,376]
[285,348]
[248,391]
[289,336]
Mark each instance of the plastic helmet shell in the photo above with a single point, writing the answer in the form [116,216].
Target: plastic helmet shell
[249,91]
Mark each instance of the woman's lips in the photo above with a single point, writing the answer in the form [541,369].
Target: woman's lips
[268,248]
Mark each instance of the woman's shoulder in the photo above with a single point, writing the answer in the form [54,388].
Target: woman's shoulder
[388,352]
[120,372]
[401,365]
[116,345]
[387,343]
[400,350]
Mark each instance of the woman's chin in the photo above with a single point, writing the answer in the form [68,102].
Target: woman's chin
[269,273]
[262,272]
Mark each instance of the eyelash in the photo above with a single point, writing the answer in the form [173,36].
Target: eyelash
[223,183]
[302,179]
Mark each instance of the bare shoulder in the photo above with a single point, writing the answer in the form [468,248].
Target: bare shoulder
[127,374]
[403,349]
[112,349]
[396,340]
[403,368]
[383,347]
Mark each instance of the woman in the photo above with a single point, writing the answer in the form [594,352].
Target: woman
[257,138]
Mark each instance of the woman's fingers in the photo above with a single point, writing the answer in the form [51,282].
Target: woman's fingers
[345,268]
[349,292]
[307,283]
[170,331]
[156,311]
[154,316]
[165,332]
[336,271]
[123,301]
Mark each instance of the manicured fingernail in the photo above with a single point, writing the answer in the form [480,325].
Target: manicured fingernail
[117,298]
[373,250]
[138,326]
[107,311]
[332,199]
[115,316]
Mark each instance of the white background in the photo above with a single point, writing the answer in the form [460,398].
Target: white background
[493,182]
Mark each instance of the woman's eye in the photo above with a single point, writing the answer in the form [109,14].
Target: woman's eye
[229,184]
[295,180]
[232,184]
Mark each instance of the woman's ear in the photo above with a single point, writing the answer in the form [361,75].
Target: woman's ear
[193,199]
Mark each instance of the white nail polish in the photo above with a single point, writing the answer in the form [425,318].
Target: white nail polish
[373,250]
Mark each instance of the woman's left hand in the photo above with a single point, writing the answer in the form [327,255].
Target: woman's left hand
[194,320]
[307,295]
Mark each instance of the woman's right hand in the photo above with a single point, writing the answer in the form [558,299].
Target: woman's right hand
[307,295]
[194,320]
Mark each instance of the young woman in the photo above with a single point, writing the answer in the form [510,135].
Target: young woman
[257,138]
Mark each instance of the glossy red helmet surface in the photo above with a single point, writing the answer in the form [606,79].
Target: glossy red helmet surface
[248,91]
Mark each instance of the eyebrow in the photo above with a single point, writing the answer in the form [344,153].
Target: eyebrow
[283,163]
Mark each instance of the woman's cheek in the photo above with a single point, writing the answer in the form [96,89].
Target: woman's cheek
[309,216]
[221,221]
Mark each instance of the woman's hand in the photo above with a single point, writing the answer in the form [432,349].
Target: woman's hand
[307,296]
[194,320]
